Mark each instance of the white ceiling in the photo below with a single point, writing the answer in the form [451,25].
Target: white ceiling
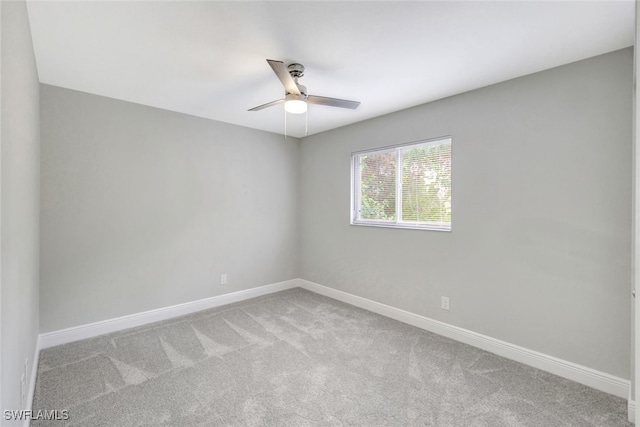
[207,59]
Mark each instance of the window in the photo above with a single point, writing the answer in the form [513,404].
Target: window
[407,186]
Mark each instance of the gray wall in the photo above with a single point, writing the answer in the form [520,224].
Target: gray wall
[20,178]
[144,208]
[539,254]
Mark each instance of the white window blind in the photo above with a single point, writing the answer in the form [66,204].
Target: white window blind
[407,186]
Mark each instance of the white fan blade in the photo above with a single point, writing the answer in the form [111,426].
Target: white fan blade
[267,105]
[283,74]
[332,102]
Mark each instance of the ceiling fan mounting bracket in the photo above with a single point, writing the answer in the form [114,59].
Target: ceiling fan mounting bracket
[296,70]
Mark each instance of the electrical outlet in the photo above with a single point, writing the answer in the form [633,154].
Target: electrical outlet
[223,279]
[444,303]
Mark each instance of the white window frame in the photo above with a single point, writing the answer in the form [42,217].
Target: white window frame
[398,222]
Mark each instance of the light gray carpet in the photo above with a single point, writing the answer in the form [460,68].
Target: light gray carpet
[295,358]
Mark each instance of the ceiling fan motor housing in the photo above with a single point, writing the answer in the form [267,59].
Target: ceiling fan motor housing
[302,89]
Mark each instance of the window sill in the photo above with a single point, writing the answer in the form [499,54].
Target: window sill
[423,227]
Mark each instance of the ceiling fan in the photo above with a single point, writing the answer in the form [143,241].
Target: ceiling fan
[295,95]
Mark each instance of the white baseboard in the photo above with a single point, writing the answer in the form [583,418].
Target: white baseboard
[572,371]
[581,374]
[64,336]
[32,378]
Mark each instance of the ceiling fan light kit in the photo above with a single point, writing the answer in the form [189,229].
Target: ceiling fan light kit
[295,104]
